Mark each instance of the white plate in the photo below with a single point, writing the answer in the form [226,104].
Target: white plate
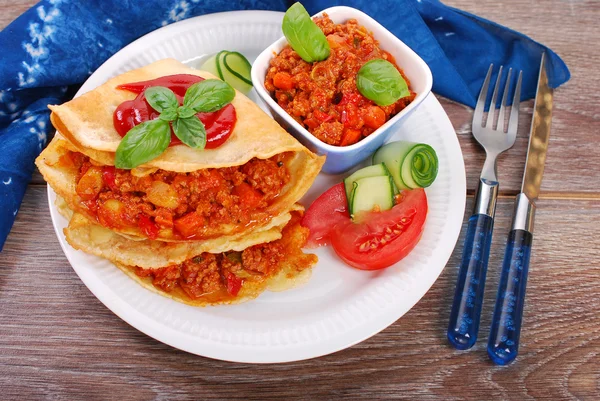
[339,306]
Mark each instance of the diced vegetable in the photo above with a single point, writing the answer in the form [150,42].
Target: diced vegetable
[283,80]
[189,224]
[163,195]
[250,197]
[90,184]
[110,213]
[412,165]
[350,137]
[234,283]
[149,229]
[370,171]
[372,194]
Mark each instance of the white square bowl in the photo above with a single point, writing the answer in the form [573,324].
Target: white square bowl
[342,158]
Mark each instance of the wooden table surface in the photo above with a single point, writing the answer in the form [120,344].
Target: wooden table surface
[57,341]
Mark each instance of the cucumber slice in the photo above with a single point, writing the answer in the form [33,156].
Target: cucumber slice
[210,65]
[412,165]
[231,67]
[370,171]
[370,192]
[236,71]
[239,66]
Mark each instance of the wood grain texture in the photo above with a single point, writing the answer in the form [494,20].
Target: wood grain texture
[57,338]
[57,341]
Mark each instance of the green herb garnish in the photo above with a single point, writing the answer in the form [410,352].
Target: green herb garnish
[305,37]
[379,81]
[143,143]
[150,139]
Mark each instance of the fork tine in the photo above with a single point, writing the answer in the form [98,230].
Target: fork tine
[500,126]
[490,119]
[478,114]
[513,122]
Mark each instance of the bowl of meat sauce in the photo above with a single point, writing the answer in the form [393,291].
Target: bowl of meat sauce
[319,102]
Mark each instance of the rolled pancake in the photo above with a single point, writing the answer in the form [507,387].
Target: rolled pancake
[94,239]
[87,122]
[292,269]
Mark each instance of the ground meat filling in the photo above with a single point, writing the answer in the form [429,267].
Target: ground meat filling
[323,96]
[180,205]
[225,272]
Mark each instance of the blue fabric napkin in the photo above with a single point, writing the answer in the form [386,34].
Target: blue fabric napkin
[58,43]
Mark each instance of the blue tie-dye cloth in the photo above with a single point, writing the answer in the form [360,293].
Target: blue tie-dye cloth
[57,44]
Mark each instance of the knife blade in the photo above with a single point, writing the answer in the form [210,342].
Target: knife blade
[538,137]
[503,343]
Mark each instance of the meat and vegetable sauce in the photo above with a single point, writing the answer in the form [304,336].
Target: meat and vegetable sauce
[323,96]
[179,205]
[223,275]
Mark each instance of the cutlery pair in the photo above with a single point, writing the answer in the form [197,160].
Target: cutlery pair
[465,315]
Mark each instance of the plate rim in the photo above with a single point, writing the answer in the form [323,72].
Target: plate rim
[175,338]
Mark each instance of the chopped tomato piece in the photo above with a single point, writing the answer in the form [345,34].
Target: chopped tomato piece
[189,224]
[149,229]
[322,116]
[108,176]
[350,97]
[326,212]
[350,137]
[249,196]
[350,116]
[234,283]
[381,239]
[312,123]
[283,80]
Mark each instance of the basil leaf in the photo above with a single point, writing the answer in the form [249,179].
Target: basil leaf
[143,143]
[191,131]
[161,98]
[185,112]
[168,115]
[208,95]
[305,37]
[379,81]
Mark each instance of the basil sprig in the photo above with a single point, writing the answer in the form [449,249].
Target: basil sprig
[150,139]
[143,143]
[379,81]
[305,37]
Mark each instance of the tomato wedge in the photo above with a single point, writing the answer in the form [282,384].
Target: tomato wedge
[382,238]
[325,212]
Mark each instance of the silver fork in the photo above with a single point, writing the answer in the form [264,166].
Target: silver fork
[468,298]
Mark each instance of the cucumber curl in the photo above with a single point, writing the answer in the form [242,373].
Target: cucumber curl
[412,165]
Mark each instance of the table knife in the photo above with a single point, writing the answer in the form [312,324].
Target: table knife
[503,343]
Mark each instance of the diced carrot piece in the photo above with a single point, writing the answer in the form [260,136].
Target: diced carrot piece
[250,197]
[374,117]
[189,224]
[283,80]
[350,137]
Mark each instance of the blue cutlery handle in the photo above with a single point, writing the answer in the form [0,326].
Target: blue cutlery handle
[503,344]
[468,298]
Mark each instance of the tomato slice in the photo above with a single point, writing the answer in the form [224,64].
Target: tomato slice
[325,212]
[382,238]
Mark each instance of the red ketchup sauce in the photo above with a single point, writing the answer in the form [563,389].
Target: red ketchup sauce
[218,124]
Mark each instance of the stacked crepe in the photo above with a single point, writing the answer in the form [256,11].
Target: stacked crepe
[223,262]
